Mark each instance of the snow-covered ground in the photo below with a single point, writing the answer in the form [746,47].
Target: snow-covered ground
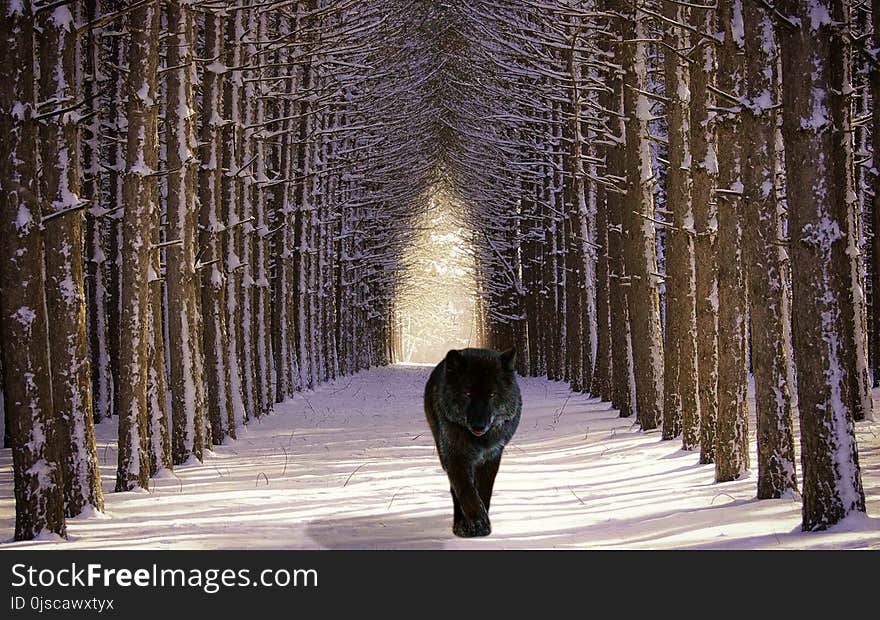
[352,465]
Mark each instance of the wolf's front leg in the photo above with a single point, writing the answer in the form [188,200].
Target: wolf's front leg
[470,517]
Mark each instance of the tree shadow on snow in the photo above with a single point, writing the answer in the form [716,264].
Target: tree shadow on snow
[397,530]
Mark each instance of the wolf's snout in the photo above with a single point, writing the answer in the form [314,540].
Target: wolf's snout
[480,428]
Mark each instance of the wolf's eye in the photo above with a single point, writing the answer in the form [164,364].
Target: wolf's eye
[467,393]
[492,394]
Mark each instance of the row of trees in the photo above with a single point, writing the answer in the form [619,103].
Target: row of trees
[665,196]
[204,206]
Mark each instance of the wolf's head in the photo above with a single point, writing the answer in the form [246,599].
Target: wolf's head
[481,383]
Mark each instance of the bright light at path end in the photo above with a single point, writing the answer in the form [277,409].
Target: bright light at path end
[435,310]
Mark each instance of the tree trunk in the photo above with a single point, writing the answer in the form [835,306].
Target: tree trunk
[818,157]
[704,174]
[215,343]
[259,256]
[231,182]
[7,423]
[157,406]
[97,259]
[116,129]
[766,259]
[65,285]
[681,406]
[140,202]
[639,238]
[299,212]
[37,481]
[731,439]
[875,203]
[601,385]
[184,321]
[622,379]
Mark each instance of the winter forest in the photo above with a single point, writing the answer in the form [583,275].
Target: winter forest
[230,230]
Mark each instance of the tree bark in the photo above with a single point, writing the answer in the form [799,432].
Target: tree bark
[65,282]
[97,259]
[704,174]
[818,157]
[184,319]
[766,259]
[232,195]
[140,202]
[731,439]
[875,203]
[639,238]
[37,481]
[681,406]
[215,343]
[622,379]
[116,128]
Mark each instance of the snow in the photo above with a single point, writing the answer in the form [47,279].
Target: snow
[90,512]
[233,262]
[643,109]
[189,386]
[352,465]
[217,67]
[711,161]
[24,218]
[141,168]
[737,27]
[820,117]
[819,14]
[683,91]
[143,93]
[762,102]
[15,7]
[62,18]
[25,315]
[41,471]
[68,289]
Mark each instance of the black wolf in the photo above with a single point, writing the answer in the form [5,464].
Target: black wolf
[473,405]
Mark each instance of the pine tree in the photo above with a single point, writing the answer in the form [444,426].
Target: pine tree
[639,236]
[731,439]
[97,266]
[621,349]
[37,471]
[213,228]
[704,172]
[681,406]
[140,202]
[763,225]
[62,210]
[818,157]
[185,353]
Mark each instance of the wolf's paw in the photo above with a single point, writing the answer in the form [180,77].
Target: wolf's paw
[470,529]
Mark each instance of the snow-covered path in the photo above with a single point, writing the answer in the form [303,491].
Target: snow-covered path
[352,465]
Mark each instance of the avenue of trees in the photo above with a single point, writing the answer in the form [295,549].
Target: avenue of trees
[208,206]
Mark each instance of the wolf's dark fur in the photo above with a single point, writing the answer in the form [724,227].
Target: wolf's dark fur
[473,404]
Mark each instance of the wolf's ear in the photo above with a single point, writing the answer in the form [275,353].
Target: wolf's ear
[455,362]
[508,359]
